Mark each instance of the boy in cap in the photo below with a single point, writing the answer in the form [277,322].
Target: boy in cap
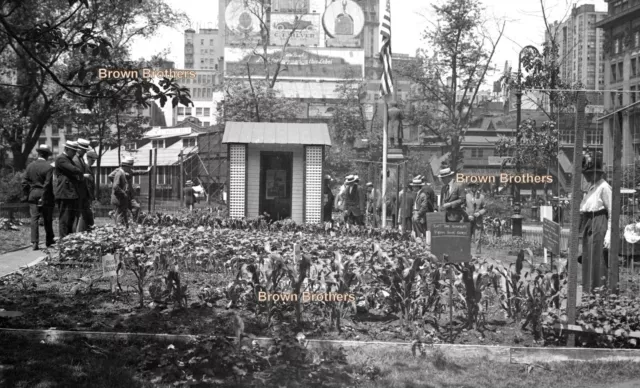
[37,186]
[452,195]
[421,206]
[68,175]
[352,202]
[122,191]
[189,195]
[134,205]
[475,210]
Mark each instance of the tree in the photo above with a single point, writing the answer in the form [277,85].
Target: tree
[450,71]
[252,87]
[57,47]
[537,148]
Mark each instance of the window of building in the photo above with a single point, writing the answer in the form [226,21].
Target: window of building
[198,111]
[202,41]
[616,46]
[157,143]
[161,176]
[68,128]
[206,123]
[42,141]
[633,67]
[476,152]
[633,94]
[187,111]
[190,142]
[180,111]
[216,66]
[613,73]
[207,111]
[613,98]
[620,71]
[136,179]
[131,145]
[54,146]
[636,39]
[210,42]
[620,97]
[55,130]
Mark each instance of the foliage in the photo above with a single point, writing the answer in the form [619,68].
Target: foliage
[104,195]
[349,121]
[57,48]
[534,148]
[255,102]
[458,55]
[11,187]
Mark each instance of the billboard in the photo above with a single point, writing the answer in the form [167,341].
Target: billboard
[303,63]
[307,30]
[242,25]
[343,21]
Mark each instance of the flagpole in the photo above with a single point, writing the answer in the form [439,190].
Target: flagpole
[385,122]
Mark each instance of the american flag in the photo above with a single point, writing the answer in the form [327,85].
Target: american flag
[386,83]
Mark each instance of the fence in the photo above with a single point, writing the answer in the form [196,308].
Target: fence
[536,237]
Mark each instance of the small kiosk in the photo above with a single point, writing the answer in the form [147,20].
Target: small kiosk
[276,168]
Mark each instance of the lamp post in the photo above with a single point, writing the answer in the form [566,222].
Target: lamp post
[516,218]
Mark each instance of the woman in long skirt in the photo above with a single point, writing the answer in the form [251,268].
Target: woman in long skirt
[595,224]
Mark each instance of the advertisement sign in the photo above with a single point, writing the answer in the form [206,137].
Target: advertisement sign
[304,63]
[301,30]
[343,21]
[242,25]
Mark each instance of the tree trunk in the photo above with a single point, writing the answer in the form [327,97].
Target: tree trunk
[118,130]
[19,160]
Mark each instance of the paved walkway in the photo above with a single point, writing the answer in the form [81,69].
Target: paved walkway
[12,261]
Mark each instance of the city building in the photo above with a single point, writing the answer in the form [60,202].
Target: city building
[203,52]
[622,79]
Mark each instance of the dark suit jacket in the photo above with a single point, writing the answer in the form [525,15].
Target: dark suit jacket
[68,175]
[83,184]
[189,196]
[456,196]
[354,201]
[38,182]
[406,203]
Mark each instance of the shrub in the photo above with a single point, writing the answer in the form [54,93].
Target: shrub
[104,195]
[11,187]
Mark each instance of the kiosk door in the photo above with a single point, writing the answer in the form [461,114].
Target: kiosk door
[276,170]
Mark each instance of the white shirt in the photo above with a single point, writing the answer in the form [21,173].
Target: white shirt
[598,198]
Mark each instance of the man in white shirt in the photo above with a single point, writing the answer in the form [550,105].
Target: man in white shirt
[595,224]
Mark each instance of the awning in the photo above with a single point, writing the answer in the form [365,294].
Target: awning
[564,162]
[277,133]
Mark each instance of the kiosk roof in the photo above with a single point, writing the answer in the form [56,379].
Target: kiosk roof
[277,133]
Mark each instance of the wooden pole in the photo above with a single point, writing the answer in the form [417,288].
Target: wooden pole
[576,198]
[155,177]
[385,122]
[180,180]
[150,181]
[614,249]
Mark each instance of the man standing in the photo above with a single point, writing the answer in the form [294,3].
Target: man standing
[453,196]
[189,195]
[84,221]
[328,199]
[407,198]
[374,204]
[67,175]
[122,191]
[422,205]
[353,204]
[475,210]
[134,205]
[37,187]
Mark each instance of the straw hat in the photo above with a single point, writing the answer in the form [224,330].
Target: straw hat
[418,180]
[44,149]
[72,145]
[369,184]
[189,183]
[350,179]
[127,161]
[83,144]
[592,162]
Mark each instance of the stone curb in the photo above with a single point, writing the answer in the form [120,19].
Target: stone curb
[503,354]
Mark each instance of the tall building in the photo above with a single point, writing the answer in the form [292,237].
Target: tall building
[580,47]
[621,50]
[203,53]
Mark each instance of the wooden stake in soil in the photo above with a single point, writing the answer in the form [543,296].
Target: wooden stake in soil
[615,201]
[576,198]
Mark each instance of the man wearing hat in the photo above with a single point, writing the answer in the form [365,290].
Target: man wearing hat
[84,221]
[407,198]
[353,204]
[189,195]
[328,199]
[475,209]
[37,186]
[422,205]
[595,223]
[374,204]
[122,191]
[68,175]
[134,205]
[452,196]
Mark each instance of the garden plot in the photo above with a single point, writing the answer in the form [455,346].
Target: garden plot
[204,275]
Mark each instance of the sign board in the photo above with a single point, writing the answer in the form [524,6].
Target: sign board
[307,30]
[297,63]
[453,240]
[241,24]
[435,218]
[551,236]
[109,266]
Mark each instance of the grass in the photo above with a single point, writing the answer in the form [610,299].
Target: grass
[388,368]
[16,239]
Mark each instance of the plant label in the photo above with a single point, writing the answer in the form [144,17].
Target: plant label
[453,240]
[109,266]
[551,236]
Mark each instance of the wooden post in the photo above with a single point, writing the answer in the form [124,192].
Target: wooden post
[181,178]
[615,201]
[155,177]
[150,181]
[576,198]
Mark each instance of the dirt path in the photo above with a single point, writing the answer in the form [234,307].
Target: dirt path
[12,261]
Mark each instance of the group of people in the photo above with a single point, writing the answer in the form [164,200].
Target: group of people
[416,200]
[68,183]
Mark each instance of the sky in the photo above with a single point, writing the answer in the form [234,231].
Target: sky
[409,18]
